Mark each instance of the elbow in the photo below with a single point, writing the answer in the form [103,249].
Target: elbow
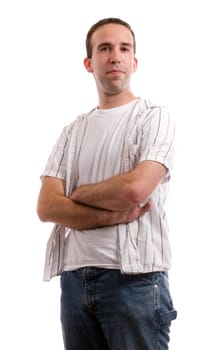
[136,195]
[42,213]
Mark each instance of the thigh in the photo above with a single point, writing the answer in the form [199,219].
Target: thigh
[136,311]
[80,328]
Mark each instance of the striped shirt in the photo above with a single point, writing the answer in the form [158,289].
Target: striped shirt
[143,244]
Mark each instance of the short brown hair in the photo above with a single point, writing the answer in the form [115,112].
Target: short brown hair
[101,23]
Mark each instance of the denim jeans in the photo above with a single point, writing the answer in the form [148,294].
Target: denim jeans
[102,309]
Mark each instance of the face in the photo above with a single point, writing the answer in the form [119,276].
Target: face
[112,62]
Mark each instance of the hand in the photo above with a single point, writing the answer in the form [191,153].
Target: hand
[138,211]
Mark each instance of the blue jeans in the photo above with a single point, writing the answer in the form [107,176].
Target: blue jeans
[103,309]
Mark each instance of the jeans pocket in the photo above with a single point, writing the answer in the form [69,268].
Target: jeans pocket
[165,311]
[165,318]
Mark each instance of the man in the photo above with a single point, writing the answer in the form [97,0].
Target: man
[105,186]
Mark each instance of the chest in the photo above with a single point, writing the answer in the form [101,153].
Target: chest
[102,148]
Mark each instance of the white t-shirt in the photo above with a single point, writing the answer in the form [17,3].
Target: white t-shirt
[100,158]
[110,142]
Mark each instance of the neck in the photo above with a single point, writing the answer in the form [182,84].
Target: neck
[107,101]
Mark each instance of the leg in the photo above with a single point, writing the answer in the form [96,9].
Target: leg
[135,311]
[80,327]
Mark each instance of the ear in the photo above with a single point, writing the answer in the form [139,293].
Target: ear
[135,62]
[88,65]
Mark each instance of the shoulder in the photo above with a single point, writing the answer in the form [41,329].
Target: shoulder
[150,110]
[150,117]
[148,106]
[76,125]
[68,128]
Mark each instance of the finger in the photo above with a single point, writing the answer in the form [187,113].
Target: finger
[145,208]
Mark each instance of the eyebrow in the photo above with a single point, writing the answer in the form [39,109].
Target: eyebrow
[110,44]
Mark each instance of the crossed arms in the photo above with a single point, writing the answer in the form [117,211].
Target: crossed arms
[113,201]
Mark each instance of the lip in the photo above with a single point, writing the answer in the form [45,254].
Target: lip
[115,71]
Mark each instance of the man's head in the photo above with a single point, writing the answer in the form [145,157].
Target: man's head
[111,56]
[101,23]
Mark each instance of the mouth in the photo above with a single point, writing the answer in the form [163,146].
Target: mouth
[115,72]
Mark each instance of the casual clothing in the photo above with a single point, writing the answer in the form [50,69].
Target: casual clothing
[130,134]
[114,280]
[135,313]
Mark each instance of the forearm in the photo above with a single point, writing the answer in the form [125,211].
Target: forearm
[54,206]
[113,194]
[124,191]
[64,211]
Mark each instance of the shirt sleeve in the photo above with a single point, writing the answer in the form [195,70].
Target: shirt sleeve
[155,139]
[57,162]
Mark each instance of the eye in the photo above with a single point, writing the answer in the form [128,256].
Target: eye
[125,48]
[105,48]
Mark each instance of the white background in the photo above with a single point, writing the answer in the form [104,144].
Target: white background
[43,86]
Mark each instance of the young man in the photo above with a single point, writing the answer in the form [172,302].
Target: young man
[105,186]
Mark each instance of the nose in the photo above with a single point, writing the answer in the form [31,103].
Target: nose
[115,60]
[115,56]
